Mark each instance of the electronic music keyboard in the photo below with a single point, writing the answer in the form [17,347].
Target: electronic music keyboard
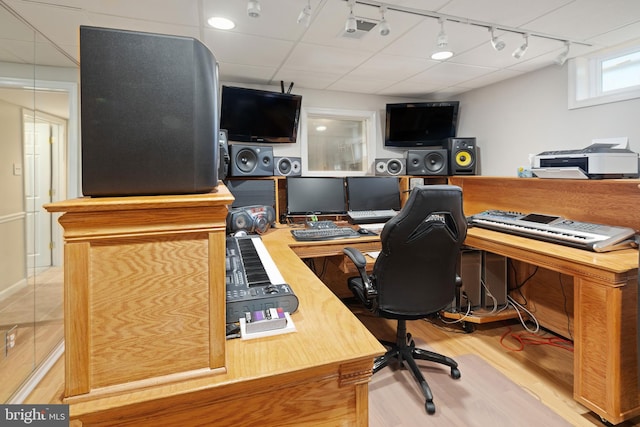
[556,229]
[254,282]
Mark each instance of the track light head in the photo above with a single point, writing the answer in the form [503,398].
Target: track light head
[253,8]
[520,51]
[562,58]
[305,15]
[383,25]
[351,25]
[442,51]
[497,44]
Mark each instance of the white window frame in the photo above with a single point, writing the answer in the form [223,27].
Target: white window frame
[370,119]
[585,78]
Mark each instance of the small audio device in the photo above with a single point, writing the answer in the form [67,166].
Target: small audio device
[252,219]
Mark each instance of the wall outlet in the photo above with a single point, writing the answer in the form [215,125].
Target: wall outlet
[10,339]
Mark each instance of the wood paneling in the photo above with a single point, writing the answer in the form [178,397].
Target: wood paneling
[146,277]
[605,285]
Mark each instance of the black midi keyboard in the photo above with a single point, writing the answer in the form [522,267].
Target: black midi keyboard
[254,282]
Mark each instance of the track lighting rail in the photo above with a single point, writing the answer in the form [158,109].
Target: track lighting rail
[461,20]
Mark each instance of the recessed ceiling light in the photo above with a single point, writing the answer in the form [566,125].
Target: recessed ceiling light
[321,128]
[221,23]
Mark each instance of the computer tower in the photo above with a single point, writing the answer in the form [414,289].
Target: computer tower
[470,294]
[494,277]
[471,274]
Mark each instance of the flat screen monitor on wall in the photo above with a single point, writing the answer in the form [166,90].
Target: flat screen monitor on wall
[315,195]
[420,124]
[149,112]
[251,115]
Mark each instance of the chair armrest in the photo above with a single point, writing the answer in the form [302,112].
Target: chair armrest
[360,262]
[356,257]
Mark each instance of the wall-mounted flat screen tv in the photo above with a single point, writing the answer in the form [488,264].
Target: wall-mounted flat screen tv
[252,115]
[420,124]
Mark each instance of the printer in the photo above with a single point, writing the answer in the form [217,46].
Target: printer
[598,160]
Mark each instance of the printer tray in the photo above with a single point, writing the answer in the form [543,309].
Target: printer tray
[569,172]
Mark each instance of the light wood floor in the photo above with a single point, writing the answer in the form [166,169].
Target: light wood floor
[543,370]
[37,311]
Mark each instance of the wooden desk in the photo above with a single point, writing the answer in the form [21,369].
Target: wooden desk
[604,317]
[605,292]
[605,286]
[316,376]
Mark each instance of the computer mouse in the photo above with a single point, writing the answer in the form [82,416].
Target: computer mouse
[364,231]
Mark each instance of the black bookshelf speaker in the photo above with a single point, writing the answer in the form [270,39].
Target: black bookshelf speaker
[223,158]
[251,160]
[425,162]
[462,156]
[287,166]
[390,167]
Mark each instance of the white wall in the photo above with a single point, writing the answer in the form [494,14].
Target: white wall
[528,114]
[510,120]
[342,101]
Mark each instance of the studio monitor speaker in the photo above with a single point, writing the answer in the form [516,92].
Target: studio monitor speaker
[287,166]
[147,111]
[390,167]
[251,160]
[223,167]
[433,161]
[462,156]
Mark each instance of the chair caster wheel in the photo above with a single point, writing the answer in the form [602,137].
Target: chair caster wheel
[455,373]
[430,407]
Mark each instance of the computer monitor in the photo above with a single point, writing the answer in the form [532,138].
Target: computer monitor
[368,193]
[315,195]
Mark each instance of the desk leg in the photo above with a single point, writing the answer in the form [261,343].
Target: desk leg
[605,360]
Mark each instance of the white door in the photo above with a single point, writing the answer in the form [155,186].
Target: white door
[37,173]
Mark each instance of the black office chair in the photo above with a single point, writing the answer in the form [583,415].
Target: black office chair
[416,272]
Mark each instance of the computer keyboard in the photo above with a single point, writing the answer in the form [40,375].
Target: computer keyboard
[315,234]
[372,215]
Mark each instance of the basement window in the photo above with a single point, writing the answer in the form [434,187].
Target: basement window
[337,142]
[607,76]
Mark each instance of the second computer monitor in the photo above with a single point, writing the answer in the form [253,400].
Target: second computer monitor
[315,195]
[368,193]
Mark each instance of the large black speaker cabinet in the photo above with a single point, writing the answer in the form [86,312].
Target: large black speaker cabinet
[251,160]
[390,167]
[249,192]
[433,161]
[287,166]
[149,104]
[223,158]
[462,156]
